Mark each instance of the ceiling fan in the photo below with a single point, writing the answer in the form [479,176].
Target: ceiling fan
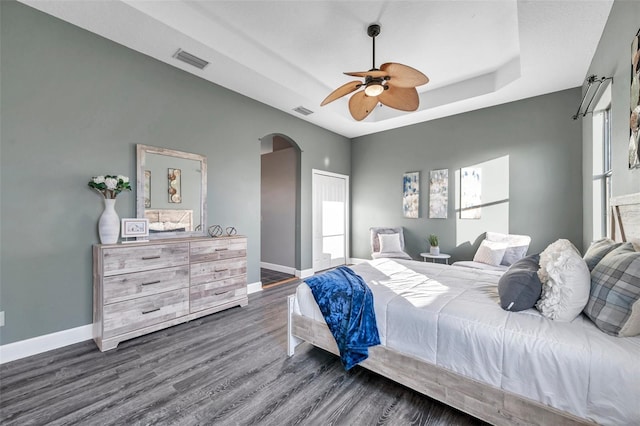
[393,85]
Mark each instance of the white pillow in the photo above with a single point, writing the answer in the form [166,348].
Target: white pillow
[566,282]
[490,252]
[389,243]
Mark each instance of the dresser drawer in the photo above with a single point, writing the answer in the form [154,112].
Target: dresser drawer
[213,271]
[131,315]
[217,249]
[118,288]
[216,293]
[143,258]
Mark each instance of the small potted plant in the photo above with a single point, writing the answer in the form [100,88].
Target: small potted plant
[433,242]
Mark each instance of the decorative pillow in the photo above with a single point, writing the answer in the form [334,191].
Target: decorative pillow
[614,303]
[520,287]
[490,252]
[598,250]
[389,243]
[517,246]
[566,282]
[376,231]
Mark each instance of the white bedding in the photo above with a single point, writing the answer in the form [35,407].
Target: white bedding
[450,316]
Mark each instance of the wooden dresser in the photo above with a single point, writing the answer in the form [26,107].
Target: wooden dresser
[139,288]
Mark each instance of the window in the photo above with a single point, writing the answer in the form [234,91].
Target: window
[602,170]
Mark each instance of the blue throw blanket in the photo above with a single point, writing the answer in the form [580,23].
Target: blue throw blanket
[346,302]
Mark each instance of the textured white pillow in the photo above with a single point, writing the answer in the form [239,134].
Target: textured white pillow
[566,282]
[389,243]
[490,252]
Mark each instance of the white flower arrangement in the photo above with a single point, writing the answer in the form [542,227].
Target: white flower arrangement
[110,186]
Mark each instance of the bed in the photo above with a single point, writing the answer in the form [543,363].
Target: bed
[169,220]
[444,334]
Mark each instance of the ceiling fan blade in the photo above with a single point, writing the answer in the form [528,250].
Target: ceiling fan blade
[403,75]
[402,98]
[372,74]
[345,89]
[361,105]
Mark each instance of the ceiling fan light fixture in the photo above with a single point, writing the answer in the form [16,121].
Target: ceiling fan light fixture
[374,89]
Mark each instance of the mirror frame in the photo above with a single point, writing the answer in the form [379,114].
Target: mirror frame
[141,153]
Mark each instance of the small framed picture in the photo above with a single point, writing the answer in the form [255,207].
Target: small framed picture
[134,228]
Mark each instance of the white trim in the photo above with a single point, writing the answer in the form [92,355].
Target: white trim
[254,287]
[36,345]
[357,260]
[279,268]
[305,273]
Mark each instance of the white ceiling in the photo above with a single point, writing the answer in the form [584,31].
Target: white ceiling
[292,53]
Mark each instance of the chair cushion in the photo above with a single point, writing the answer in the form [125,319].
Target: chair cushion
[375,241]
[389,243]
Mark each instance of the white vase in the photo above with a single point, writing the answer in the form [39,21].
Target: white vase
[435,251]
[109,224]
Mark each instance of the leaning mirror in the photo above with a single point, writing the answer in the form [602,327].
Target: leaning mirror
[171,191]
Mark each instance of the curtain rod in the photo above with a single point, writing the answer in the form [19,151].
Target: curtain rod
[592,81]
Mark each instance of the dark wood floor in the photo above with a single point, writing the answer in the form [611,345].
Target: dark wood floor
[230,368]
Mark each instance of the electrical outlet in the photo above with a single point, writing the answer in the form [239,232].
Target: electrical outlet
[1,318]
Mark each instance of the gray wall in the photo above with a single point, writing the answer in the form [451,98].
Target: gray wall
[544,179]
[278,210]
[613,59]
[75,105]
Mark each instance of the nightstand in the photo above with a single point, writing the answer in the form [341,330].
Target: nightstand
[435,257]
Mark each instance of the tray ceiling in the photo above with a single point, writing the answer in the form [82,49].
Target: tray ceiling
[289,54]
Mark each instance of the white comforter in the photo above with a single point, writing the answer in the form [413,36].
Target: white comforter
[450,316]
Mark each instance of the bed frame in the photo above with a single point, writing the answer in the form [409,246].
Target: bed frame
[183,218]
[478,399]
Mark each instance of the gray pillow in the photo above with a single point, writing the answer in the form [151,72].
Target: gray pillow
[598,250]
[520,288]
[614,300]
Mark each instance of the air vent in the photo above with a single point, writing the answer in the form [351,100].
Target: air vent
[302,110]
[190,59]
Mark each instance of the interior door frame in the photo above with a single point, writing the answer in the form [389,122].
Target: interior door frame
[347,212]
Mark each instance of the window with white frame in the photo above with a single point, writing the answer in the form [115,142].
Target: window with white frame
[602,168]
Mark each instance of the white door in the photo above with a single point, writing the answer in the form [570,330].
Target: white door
[330,219]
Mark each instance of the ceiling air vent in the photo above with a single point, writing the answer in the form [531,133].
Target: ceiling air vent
[190,59]
[302,110]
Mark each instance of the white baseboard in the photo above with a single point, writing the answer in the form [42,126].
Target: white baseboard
[357,260]
[24,348]
[254,287]
[279,268]
[305,273]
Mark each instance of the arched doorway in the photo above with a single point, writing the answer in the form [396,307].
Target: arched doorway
[280,159]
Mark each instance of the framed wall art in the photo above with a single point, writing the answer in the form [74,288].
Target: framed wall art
[147,189]
[470,193]
[175,190]
[411,195]
[438,193]
[634,117]
[134,229]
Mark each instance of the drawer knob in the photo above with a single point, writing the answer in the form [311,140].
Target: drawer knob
[221,270]
[149,311]
[152,282]
[222,249]
[150,257]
